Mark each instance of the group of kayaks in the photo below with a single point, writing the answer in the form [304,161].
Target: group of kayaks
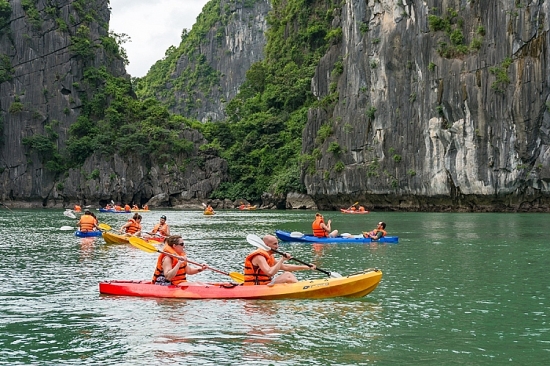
[353,285]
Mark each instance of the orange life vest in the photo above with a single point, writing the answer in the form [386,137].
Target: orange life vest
[181,275]
[134,227]
[87,223]
[127,208]
[375,231]
[162,229]
[253,275]
[318,231]
[77,208]
[361,209]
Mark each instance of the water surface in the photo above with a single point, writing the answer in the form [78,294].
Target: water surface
[458,289]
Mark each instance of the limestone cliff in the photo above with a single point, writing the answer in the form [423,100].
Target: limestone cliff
[437,105]
[46,47]
[209,74]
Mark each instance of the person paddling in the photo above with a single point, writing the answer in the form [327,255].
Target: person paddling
[161,229]
[170,270]
[260,266]
[132,227]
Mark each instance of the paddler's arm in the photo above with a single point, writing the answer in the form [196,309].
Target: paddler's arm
[270,271]
[295,267]
[169,271]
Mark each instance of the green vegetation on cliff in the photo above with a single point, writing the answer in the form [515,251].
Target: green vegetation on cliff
[261,138]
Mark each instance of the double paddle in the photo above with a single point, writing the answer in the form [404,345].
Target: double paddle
[150,248]
[259,243]
[102,226]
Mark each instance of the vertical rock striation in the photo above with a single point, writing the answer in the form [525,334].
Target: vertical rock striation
[439,105]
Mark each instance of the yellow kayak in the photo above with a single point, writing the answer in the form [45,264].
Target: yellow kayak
[112,238]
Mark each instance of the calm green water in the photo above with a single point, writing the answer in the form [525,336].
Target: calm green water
[457,289]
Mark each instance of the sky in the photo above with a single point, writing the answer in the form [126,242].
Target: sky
[153,26]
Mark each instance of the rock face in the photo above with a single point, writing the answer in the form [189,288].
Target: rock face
[41,85]
[421,124]
[229,48]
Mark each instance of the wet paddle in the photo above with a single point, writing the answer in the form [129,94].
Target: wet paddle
[259,243]
[148,247]
[349,208]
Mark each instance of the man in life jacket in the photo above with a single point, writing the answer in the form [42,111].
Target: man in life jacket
[87,222]
[161,229]
[260,266]
[172,268]
[132,227]
[77,208]
[322,230]
[376,233]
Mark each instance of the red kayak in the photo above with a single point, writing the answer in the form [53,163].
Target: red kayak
[354,285]
[346,211]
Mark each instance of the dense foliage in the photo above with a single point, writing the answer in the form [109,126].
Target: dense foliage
[261,138]
[111,118]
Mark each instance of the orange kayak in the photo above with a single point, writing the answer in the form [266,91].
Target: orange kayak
[354,285]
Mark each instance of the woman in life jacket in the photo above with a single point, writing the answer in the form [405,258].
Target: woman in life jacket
[132,227]
[260,266]
[322,230]
[376,233]
[172,268]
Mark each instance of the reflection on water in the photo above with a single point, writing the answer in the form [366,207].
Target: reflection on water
[462,288]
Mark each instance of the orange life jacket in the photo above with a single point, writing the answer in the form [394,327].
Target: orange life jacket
[162,229]
[127,208]
[134,227]
[181,275]
[375,231]
[361,209]
[87,223]
[77,208]
[118,208]
[318,231]
[253,275]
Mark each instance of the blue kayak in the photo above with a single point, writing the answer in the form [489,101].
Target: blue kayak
[87,234]
[309,238]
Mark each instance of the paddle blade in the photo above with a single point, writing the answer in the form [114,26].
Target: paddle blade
[103,226]
[237,277]
[335,275]
[69,214]
[256,241]
[66,228]
[142,244]
[296,234]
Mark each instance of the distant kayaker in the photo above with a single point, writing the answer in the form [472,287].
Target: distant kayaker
[322,230]
[87,222]
[162,228]
[77,208]
[260,266]
[132,227]
[170,270]
[376,233]
[209,210]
